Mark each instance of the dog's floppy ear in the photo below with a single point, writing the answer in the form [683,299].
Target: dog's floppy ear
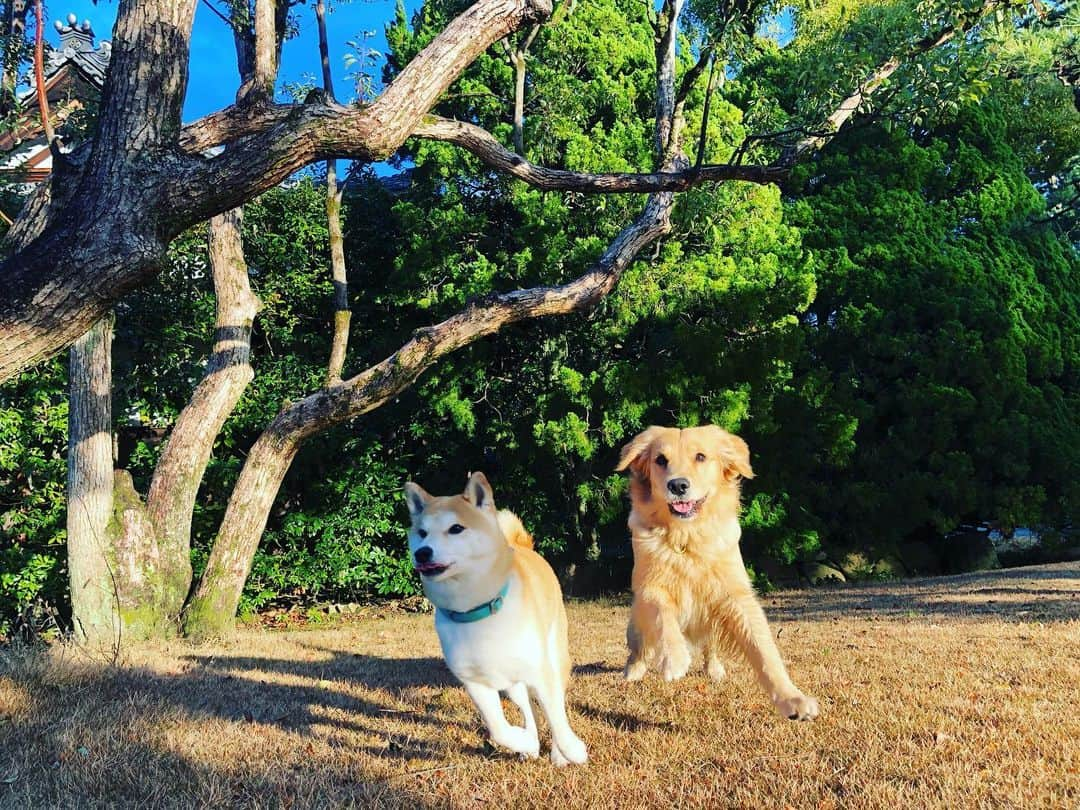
[478,492]
[417,499]
[633,453]
[736,455]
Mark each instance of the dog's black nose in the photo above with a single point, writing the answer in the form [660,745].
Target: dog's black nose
[423,554]
[678,486]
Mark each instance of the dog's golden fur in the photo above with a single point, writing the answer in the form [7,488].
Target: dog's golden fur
[691,589]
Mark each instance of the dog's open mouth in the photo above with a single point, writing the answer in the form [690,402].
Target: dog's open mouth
[685,509]
[431,569]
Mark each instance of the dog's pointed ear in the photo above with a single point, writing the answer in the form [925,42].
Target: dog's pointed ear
[417,499]
[736,455]
[478,492]
[633,453]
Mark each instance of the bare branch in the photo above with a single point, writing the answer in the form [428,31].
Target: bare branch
[484,145]
[232,123]
[265,48]
[709,89]
[324,49]
[273,141]
[342,314]
[218,12]
[851,104]
[518,61]
[693,74]
[39,77]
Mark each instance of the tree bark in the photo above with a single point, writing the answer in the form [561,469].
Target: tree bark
[94,606]
[171,498]
[518,57]
[666,36]
[339,273]
[133,561]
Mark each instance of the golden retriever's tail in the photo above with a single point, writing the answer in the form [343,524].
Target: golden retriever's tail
[513,531]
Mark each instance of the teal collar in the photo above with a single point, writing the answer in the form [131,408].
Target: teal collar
[480,611]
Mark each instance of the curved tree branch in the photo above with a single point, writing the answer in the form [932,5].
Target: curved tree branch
[485,146]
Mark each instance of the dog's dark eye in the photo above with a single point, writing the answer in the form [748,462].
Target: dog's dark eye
[661,460]
[457,528]
[422,533]
[700,457]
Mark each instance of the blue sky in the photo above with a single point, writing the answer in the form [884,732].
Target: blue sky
[214,78]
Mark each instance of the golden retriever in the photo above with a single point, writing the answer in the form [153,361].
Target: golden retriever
[691,589]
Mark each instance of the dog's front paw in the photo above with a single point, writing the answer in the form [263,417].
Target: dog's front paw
[797,707]
[675,663]
[635,670]
[569,752]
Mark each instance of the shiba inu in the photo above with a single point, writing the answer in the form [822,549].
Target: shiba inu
[691,589]
[499,613]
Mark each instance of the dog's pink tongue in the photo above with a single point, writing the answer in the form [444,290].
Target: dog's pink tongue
[682,507]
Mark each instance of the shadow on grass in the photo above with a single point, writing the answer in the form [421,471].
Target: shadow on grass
[596,668]
[1036,594]
[621,721]
[106,741]
[240,688]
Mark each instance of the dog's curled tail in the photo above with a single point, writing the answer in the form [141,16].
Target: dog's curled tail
[513,531]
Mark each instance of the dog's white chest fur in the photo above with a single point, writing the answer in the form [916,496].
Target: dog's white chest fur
[498,650]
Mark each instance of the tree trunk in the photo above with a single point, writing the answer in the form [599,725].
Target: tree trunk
[334,193]
[517,59]
[95,611]
[113,553]
[171,498]
[135,559]
[212,609]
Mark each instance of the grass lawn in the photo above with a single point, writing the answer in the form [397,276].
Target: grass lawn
[955,692]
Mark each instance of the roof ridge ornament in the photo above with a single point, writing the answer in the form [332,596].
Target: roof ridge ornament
[75,36]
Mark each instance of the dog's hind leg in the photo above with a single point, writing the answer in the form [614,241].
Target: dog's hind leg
[714,662]
[518,740]
[566,746]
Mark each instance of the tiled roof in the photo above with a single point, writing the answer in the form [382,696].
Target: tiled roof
[77,47]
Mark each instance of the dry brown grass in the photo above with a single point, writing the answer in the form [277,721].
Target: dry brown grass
[958,692]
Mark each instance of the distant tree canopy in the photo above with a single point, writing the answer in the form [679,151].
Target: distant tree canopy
[894,330]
